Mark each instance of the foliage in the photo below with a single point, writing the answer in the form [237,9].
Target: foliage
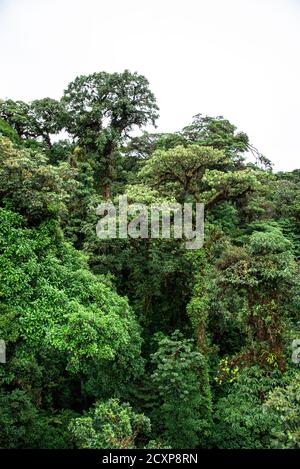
[57,316]
[283,402]
[38,119]
[140,343]
[30,185]
[109,424]
[239,420]
[180,377]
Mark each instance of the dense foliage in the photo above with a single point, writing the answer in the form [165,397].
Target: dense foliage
[142,343]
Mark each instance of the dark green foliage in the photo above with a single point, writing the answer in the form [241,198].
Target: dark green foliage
[63,327]
[141,343]
[283,406]
[7,131]
[240,422]
[180,376]
[109,425]
[30,185]
[39,119]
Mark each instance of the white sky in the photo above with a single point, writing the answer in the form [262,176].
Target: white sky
[236,58]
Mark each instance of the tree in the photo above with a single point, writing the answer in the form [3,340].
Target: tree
[7,131]
[232,186]
[196,171]
[103,108]
[219,133]
[104,336]
[32,186]
[240,422]
[47,116]
[263,272]
[180,376]
[183,167]
[16,114]
[283,404]
[38,119]
[110,425]
[63,326]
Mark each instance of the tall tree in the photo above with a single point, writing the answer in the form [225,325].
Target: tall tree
[38,119]
[103,108]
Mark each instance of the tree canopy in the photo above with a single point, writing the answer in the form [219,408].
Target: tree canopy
[140,342]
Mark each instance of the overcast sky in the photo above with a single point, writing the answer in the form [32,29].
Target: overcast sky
[236,58]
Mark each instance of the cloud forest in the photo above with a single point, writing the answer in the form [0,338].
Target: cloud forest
[139,342]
